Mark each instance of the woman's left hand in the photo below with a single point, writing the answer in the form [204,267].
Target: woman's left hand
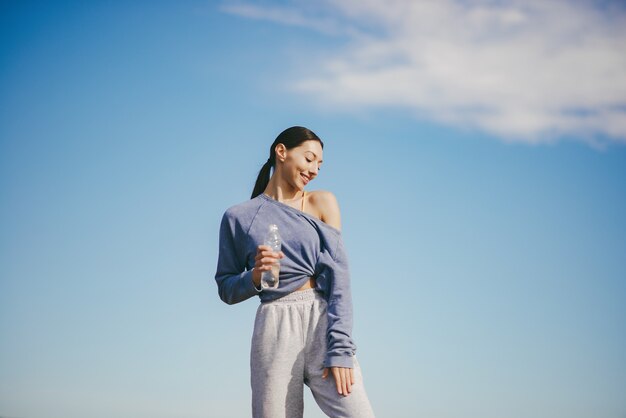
[344,378]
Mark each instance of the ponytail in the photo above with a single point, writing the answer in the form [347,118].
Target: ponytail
[262,179]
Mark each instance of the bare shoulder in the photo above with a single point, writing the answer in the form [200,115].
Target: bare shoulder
[326,208]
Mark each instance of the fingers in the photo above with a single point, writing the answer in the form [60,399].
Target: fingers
[266,251]
[267,248]
[265,257]
[337,377]
[344,379]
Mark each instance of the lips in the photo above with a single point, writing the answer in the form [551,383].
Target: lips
[305,178]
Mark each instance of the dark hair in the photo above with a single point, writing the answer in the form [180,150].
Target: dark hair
[291,138]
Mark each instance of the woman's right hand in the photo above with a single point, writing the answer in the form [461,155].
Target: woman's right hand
[264,260]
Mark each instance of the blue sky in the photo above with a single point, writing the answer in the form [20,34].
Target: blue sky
[479,167]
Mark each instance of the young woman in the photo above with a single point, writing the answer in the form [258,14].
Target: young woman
[302,330]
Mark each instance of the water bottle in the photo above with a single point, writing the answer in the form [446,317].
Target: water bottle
[269,279]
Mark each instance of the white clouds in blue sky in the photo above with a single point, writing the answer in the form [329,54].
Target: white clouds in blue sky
[490,274]
[523,71]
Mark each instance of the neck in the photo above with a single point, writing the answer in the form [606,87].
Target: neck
[282,191]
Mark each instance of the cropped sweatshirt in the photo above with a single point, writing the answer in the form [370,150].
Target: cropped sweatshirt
[311,248]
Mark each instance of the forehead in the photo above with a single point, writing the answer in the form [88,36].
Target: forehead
[311,146]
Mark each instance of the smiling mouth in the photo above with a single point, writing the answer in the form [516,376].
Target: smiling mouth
[305,178]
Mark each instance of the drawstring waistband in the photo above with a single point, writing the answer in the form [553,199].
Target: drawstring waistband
[297,296]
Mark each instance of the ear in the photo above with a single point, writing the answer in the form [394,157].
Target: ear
[281,151]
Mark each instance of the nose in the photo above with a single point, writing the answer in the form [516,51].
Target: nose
[313,172]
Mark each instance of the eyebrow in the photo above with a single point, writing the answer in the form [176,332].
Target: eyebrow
[321,161]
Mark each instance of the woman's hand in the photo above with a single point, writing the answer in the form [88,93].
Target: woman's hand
[264,261]
[344,378]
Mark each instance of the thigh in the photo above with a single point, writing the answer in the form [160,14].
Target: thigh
[276,365]
[356,404]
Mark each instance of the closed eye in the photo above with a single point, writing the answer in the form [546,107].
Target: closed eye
[318,168]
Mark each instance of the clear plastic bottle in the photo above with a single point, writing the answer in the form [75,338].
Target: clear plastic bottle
[269,279]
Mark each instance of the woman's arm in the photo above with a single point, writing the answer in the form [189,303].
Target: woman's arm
[234,282]
[330,214]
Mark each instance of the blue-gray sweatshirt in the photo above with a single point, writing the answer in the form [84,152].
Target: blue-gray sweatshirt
[311,248]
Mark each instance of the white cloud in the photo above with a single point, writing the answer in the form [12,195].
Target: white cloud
[530,71]
[285,16]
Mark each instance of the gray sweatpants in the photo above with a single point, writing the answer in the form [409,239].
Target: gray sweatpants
[288,348]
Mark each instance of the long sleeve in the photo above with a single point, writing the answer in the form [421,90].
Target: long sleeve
[234,282]
[333,270]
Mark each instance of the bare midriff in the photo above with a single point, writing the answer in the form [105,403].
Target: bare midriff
[310,284]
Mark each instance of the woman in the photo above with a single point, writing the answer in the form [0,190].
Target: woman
[302,330]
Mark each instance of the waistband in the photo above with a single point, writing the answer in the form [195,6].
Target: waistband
[297,296]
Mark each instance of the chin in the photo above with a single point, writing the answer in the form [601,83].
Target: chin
[302,183]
